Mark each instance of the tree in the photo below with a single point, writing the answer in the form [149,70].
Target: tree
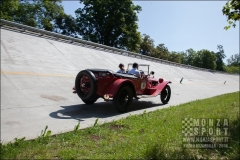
[205,59]
[109,22]
[26,14]
[46,13]
[35,13]
[147,46]
[65,24]
[232,11]
[161,52]
[191,55]
[18,11]
[234,60]
[219,58]
[8,8]
[174,57]
[232,69]
[183,57]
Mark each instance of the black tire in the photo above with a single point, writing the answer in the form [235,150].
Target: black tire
[91,101]
[87,90]
[165,94]
[123,99]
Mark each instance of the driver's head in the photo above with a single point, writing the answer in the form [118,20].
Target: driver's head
[135,65]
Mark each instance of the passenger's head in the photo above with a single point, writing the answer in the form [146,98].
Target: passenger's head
[135,65]
[121,66]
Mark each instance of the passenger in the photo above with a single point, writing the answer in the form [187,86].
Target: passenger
[135,70]
[121,70]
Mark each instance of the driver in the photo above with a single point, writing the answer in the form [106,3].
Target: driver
[135,70]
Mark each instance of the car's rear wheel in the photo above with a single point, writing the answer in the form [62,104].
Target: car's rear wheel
[165,94]
[86,86]
[123,99]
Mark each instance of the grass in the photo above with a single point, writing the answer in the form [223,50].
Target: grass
[153,135]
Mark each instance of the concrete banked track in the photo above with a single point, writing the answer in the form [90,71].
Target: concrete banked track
[37,76]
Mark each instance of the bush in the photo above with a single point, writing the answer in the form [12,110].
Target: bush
[231,69]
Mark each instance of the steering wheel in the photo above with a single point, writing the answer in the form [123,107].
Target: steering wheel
[141,73]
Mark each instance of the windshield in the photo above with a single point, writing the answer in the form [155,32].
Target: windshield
[141,67]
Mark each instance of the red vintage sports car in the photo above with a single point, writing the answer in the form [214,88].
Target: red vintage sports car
[91,84]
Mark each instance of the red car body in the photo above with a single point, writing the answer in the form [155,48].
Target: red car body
[91,84]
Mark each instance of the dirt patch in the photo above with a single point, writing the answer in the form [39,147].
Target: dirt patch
[117,127]
[11,122]
[141,130]
[54,98]
[55,157]
[95,138]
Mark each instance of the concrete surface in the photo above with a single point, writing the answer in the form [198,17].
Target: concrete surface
[37,76]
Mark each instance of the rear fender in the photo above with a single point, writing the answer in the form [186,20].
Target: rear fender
[160,87]
[113,88]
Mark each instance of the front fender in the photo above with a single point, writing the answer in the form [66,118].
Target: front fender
[160,87]
[113,88]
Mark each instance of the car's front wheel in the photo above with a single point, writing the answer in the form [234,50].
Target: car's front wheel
[92,100]
[165,94]
[123,99]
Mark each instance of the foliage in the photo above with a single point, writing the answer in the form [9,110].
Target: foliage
[110,22]
[18,141]
[8,8]
[77,127]
[175,57]
[45,132]
[205,59]
[219,58]
[232,11]
[232,69]
[208,59]
[44,136]
[65,24]
[234,60]
[191,55]
[147,45]
[161,51]
[47,12]
[96,122]
[36,13]
[26,14]
[233,64]
[183,57]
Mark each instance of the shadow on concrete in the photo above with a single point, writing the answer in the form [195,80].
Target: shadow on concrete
[97,110]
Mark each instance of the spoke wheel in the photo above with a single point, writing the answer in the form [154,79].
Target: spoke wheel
[123,99]
[91,101]
[165,94]
[86,86]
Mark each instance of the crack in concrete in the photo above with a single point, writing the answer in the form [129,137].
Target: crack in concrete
[8,55]
[63,54]
[24,107]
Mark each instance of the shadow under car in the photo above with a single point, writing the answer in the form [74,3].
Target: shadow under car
[97,110]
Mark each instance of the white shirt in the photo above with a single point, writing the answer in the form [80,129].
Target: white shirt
[134,71]
[121,71]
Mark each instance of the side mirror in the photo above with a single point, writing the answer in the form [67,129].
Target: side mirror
[152,73]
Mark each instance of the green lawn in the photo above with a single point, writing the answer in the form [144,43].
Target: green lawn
[154,135]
